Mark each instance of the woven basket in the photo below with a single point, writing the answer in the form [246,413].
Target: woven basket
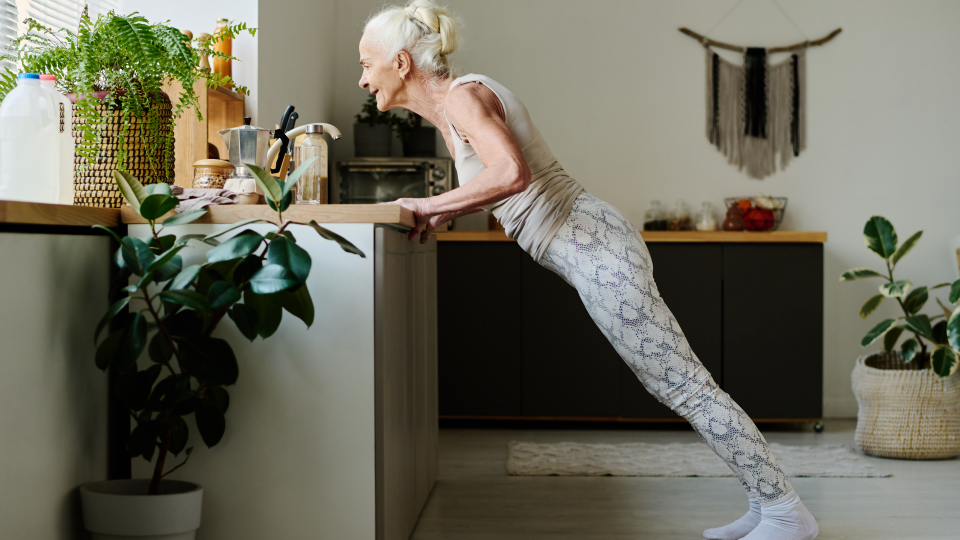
[905,412]
[94,185]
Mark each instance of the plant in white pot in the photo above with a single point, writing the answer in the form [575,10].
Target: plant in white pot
[250,279]
[908,396]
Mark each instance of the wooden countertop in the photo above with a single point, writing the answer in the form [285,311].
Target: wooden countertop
[665,236]
[24,213]
[386,214]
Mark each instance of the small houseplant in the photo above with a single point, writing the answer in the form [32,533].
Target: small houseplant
[114,68]
[373,132]
[908,396]
[171,312]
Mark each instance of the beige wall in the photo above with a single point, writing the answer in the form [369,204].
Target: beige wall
[53,399]
[619,95]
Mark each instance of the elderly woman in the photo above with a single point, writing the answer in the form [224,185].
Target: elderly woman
[506,167]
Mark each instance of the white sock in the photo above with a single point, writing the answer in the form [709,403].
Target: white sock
[739,528]
[785,519]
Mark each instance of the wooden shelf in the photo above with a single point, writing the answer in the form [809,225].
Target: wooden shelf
[15,212]
[387,214]
[665,236]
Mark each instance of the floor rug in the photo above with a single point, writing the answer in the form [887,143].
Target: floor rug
[676,459]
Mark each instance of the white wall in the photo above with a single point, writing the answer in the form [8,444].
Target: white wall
[202,17]
[618,93]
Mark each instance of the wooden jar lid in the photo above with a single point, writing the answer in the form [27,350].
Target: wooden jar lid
[217,163]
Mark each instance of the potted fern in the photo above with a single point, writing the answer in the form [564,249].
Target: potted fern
[114,68]
[170,314]
[908,395]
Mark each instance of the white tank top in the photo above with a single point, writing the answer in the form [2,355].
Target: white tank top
[533,216]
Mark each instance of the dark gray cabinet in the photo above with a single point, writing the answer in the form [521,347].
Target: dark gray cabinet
[516,341]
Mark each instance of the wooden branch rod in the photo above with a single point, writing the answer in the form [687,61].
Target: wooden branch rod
[737,48]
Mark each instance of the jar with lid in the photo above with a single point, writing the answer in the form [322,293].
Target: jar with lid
[705,220]
[312,185]
[211,173]
[655,219]
[680,217]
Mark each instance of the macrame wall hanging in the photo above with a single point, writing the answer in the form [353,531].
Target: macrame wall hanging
[756,112]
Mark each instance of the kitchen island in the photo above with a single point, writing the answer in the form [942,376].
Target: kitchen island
[332,430]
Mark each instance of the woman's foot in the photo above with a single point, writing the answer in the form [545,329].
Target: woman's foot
[739,528]
[785,519]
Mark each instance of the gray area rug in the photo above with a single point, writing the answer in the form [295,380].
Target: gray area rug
[676,459]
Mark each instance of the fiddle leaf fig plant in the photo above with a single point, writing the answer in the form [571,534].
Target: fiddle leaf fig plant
[171,312]
[942,331]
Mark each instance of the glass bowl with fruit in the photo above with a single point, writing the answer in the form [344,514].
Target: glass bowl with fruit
[760,213]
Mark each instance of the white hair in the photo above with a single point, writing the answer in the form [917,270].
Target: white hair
[428,32]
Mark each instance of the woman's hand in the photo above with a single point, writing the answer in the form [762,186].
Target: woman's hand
[420,215]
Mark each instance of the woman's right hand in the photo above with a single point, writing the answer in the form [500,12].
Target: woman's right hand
[419,214]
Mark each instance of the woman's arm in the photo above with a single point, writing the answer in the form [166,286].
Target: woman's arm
[478,116]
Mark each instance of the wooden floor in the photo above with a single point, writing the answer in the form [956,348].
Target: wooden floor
[476,499]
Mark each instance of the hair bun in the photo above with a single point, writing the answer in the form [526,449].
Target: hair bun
[437,19]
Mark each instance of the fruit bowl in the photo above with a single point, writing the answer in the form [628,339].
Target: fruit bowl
[763,216]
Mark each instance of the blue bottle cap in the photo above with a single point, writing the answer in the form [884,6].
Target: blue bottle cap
[28,76]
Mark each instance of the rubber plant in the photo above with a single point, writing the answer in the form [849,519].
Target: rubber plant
[172,313]
[128,58]
[942,331]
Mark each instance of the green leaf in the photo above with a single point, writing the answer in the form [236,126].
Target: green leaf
[295,175]
[219,396]
[210,424]
[245,317]
[857,273]
[939,286]
[116,308]
[876,332]
[908,349]
[891,337]
[184,217]
[299,304]
[159,349]
[169,270]
[955,292]
[164,259]
[880,236]
[953,330]
[137,255]
[131,188]
[915,300]
[906,247]
[185,277]
[186,323]
[939,333]
[166,242]
[132,343]
[113,234]
[144,438]
[290,256]
[210,360]
[107,350]
[268,184]
[946,310]
[160,188]
[272,278]
[243,271]
[920,324]
[330,235]
[187,298]
[871,305]
[237,247]
[133,387]
[284,203]
[269,311]
[896,289]
[942,361]
[236,225]
[222,295]
[179,433]
[155,206]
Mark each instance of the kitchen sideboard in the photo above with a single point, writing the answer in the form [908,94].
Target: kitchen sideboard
[750,303]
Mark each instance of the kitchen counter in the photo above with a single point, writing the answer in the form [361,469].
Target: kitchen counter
[384,214]
[24,213]
[665,236]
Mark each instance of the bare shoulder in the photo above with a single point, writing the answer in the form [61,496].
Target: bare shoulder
[471,101]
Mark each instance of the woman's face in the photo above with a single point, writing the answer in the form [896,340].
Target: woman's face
[380,76]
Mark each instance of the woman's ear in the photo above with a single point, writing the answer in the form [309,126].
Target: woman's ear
[404,64]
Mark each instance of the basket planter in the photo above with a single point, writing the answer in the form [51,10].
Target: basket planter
[121,509]
[94,184]
[905,412]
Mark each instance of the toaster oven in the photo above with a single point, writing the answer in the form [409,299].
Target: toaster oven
[371,180]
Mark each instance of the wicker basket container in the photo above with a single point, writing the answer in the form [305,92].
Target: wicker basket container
[905,412]
[94,185]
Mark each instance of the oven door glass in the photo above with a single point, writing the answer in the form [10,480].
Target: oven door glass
[382,183]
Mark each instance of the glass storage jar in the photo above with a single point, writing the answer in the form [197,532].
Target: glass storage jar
[705,220]
[211,173]
[654,219]
[312,185]
[680,217]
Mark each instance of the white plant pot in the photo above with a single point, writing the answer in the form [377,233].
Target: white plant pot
[904,412]
[122,510]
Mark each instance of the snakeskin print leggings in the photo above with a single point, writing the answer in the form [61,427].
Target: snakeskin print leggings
[601,254]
